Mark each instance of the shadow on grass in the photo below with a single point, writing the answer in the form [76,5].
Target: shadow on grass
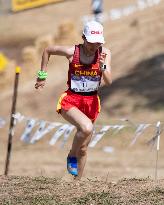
[146,80]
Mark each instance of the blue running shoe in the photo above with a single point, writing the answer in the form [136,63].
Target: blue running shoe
[72,165]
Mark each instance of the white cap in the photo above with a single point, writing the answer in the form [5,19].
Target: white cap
[93,31]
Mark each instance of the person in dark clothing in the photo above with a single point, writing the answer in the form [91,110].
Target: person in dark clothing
[97,9]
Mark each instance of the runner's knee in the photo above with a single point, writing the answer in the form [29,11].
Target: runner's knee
[87,129]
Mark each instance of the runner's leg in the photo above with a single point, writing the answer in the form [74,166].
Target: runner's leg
[80,145]
[83,135]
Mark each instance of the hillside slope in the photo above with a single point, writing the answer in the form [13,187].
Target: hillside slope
[134,40]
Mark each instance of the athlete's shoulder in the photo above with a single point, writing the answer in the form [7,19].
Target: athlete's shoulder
[70,51]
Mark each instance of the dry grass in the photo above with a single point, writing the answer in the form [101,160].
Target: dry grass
[46,191]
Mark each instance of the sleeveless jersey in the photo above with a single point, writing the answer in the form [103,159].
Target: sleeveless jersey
[84,77]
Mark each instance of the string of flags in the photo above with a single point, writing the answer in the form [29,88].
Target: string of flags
[36,129]
[118,13]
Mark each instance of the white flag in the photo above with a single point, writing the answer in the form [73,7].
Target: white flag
[117,128]
[67,134]
[58,133]
[99,135]
[156,137]
[138,132]
[18,116]
[43,130]
[29,126]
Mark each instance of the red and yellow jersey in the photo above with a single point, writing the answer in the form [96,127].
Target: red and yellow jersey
[82,77]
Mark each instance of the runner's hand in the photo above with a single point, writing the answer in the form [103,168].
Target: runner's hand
[102,59]
[39,83]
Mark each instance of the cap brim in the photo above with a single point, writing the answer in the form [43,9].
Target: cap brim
[98,39]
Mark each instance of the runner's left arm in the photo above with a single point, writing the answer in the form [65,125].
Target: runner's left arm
[105,65]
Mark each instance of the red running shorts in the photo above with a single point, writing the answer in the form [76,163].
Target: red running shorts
[89,105]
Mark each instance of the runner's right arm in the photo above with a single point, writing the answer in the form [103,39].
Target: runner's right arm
[53,50]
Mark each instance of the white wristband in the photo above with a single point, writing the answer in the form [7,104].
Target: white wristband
[103,67]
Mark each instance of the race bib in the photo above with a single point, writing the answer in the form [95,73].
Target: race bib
[84,83]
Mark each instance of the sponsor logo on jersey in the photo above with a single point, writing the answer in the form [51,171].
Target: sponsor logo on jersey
[78,65]
[94,66]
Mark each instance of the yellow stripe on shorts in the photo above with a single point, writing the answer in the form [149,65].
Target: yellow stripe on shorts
[99,105]
[58,107]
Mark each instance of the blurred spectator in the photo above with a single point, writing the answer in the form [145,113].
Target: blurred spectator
[97,9]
